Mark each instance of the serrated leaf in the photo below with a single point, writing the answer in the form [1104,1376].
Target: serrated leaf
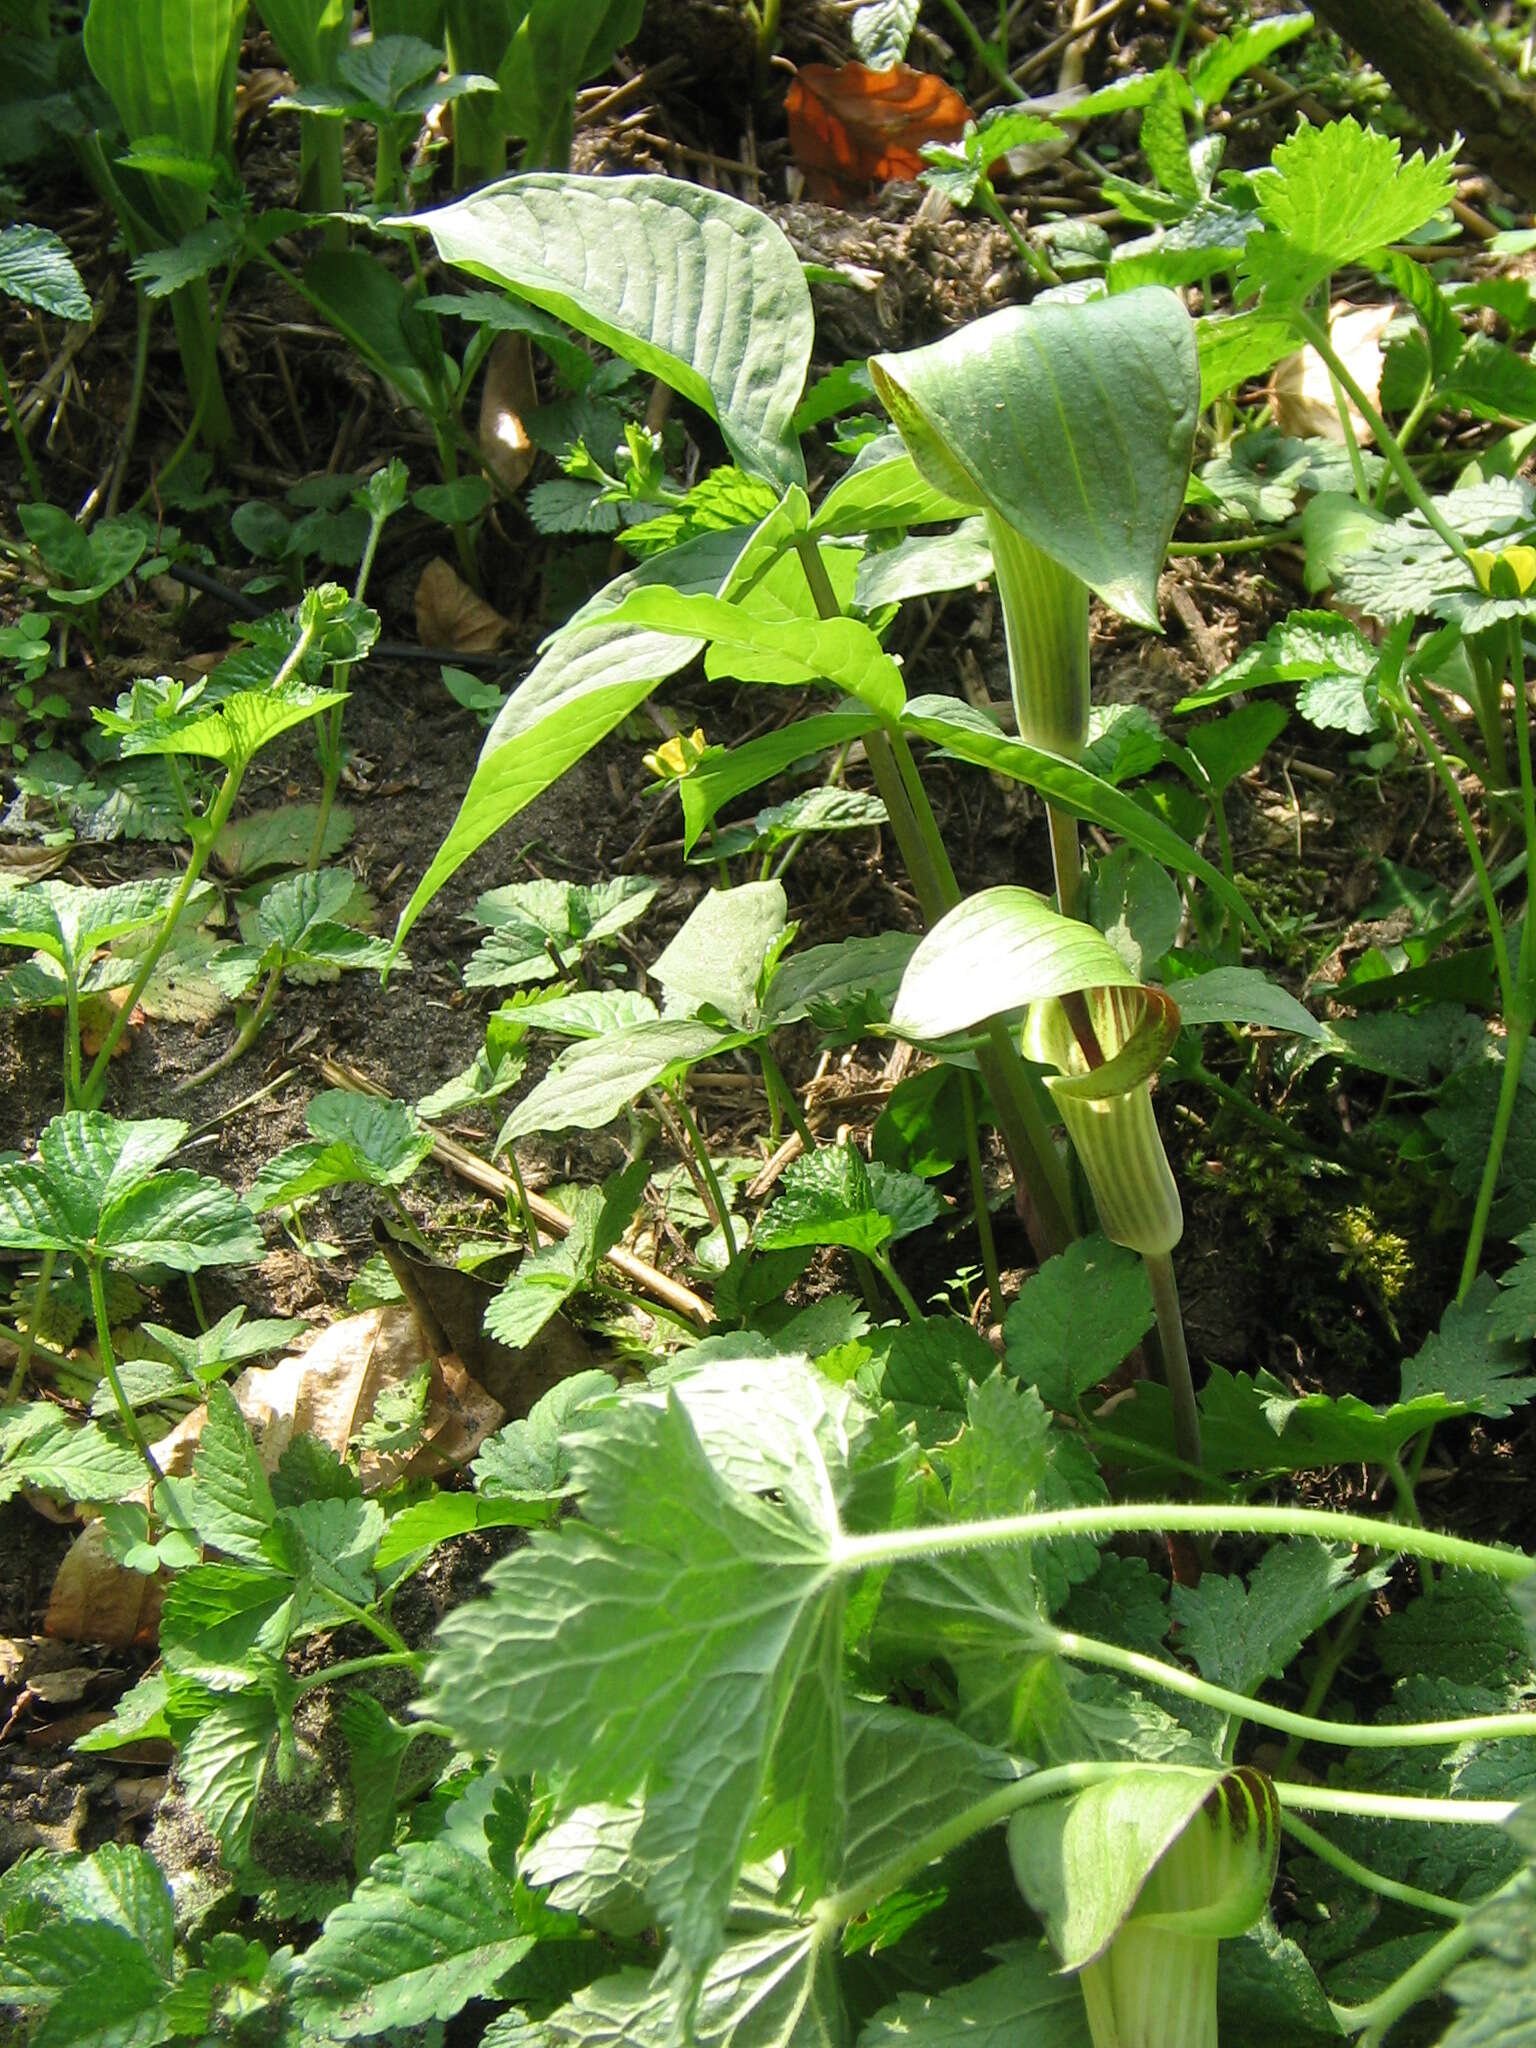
[37,270]
[693,287]
[1513,1315]
[1075,1320]
[227,1499]
[600,1654]
[1239,1636]
[881,31]
[1338,194]
[40,1447]
[222,1764]
[369,1139]
[1216,69]
[826,1197]
[1478,1356]
[527,1460]
[431,1927]
[1023,1998]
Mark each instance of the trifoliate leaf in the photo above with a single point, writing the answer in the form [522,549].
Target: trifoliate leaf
[826,1197]
[541,929]
[1076,1319]
[366,1138]
[227,1500]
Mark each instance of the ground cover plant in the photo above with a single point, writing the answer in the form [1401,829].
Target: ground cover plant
[796,1556]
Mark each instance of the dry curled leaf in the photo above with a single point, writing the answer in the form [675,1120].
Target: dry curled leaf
[506,399]
[1301,391]
[450,616]
[851,127]
[328,1391]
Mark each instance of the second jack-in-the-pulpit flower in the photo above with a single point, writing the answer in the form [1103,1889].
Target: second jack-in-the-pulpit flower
[1102,1089]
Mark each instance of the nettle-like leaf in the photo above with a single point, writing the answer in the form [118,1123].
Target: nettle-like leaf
[1239,1636]
[41,1447]
[95,1190]
[529,1460]
[540,929]
[233,732]
[1334,662]
[355,1138]
[69,923]
[882,30]
[1076,1319]
[693,287]
[600,1656]
[1338,194]
[1022,1998]
[832,1197]
[82,565]
[1479,1357]
[37,270]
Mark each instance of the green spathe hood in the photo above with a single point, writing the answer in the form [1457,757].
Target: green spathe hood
[1073,422]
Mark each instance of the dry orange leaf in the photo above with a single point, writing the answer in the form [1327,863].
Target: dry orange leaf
[450,616]
[506,400]
[851,127]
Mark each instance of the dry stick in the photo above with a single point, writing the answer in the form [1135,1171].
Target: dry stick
[682,1301]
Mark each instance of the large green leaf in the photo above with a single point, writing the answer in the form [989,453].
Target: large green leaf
[1023,1999]
[68,922]
[168,67]
[553,49]
[961,729]
[1074,423]
[699,290]
[717,958]
[997,951]
[597,1077]
[311,35]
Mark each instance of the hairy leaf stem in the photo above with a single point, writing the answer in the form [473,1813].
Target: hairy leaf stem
[1175,1350]
[1372,1880]
[1125,1518]
[1378,2015]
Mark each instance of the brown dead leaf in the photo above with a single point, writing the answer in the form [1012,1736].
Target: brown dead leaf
[450,616]
[32,863]
[508,396]
[1301,390]
[98,1013]
[328,1391]
[95,1601]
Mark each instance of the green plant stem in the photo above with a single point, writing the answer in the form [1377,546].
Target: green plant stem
[28,460]
[780,1091]
[1125,1518]
[1176,1372]
[1315,331]
[1340,1734]
[1034,261]
[128,432]
[988,1243]
[984,53]
[716,1194]
[28,1345]
[1272,1126]
[1238,544]
[352,1667]
[22,1339]
[375,1624]
[243,1039]
[329,747]
[1035,1164]
[1372,2020]
[1066,859]
[1517,1037]
[1372,1880]
[202,847]
[132,1428]
[525,1215]
[882,1264]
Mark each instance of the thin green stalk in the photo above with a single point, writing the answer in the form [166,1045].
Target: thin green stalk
[1517,1037]
[525,1213]
[1336,1648]
[1126,1518]
[1176,1372]
[989,1266]
[29,1342]
[1272,1126]
[1239,544]
[202,847]
[243,1039]
[329,748]
[711,1178]
[23,445]
[1351,444]
[881,1262]
[130,426]
[984,53]
[1066,859]
[375,1624]
[1316,332]
[352,1667]
[1373,2020]
[1037,264]
[1338,1734]
[1372,1880]
[1450,1813]
[96,1276]
[780,1091]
